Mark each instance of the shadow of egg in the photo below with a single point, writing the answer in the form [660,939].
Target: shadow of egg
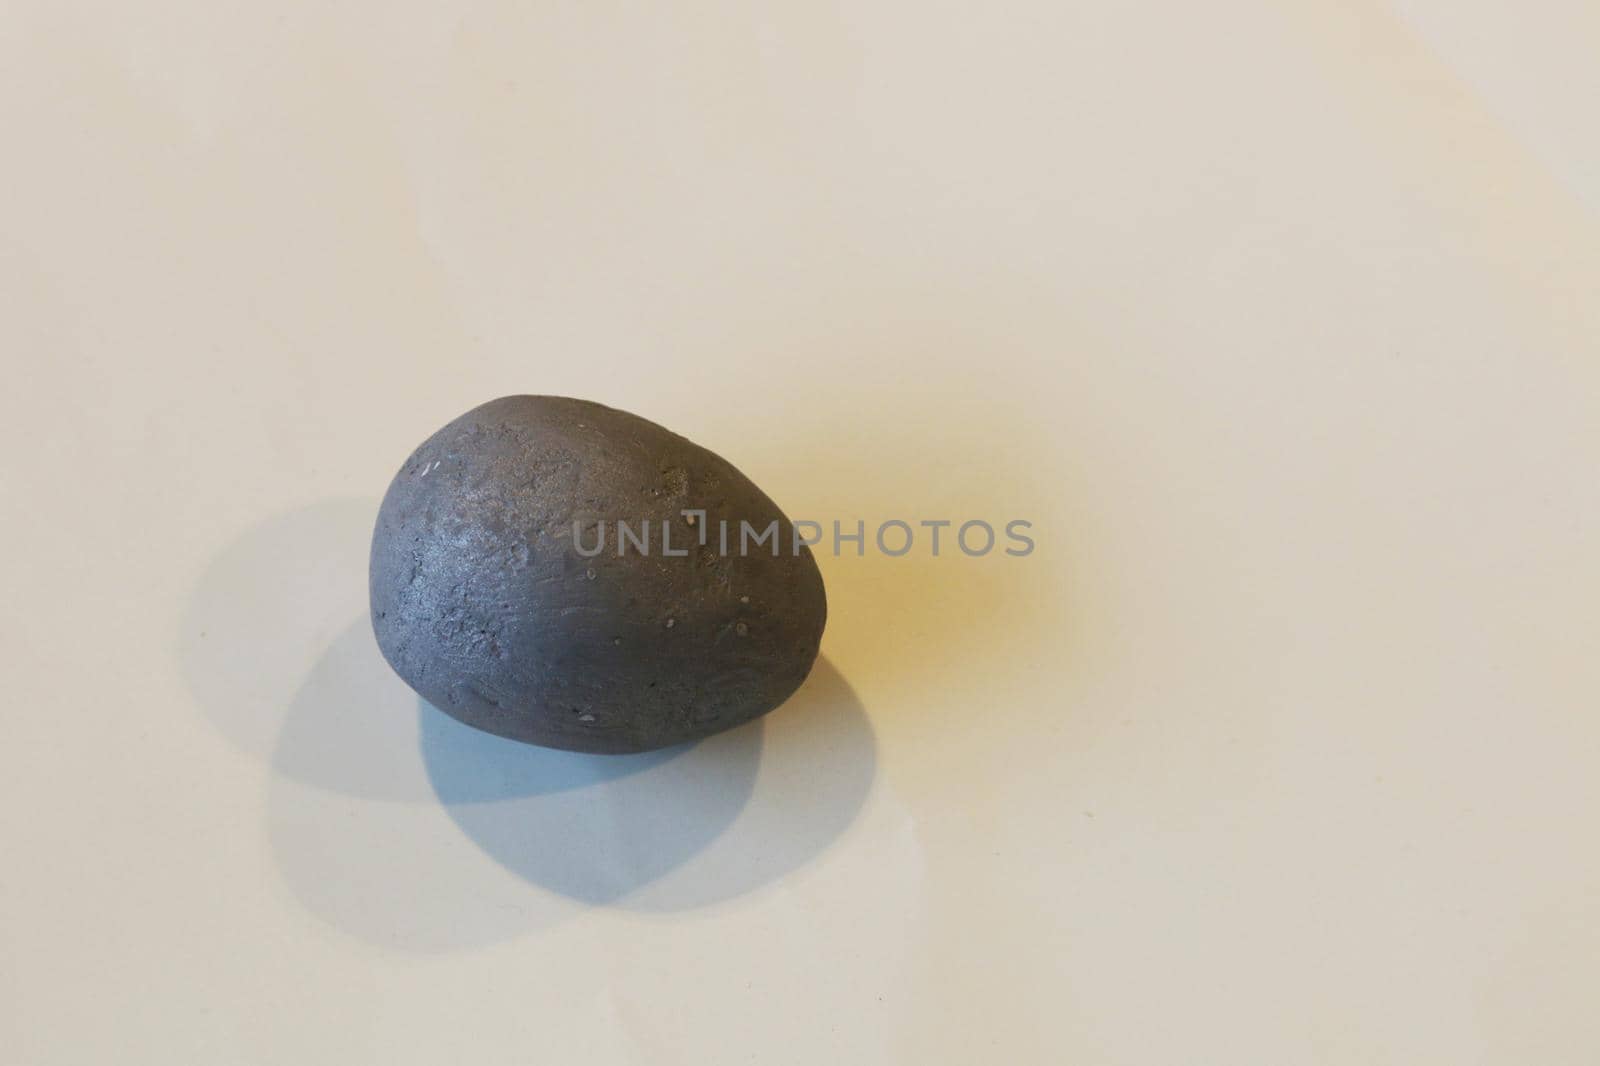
[264,612]
[669,830]
[590,827]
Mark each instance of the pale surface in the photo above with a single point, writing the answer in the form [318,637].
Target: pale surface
[1278,320]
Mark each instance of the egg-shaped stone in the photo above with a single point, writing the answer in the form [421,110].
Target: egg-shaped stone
[571,575]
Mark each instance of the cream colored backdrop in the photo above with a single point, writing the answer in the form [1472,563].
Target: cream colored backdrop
[1278,320]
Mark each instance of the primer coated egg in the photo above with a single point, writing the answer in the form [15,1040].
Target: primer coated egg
[567,574]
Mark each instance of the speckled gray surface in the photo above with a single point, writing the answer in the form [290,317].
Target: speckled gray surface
[484,604]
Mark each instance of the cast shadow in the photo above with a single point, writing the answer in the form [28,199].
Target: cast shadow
[259,622]
[464,839]
[746,806]
[398,825]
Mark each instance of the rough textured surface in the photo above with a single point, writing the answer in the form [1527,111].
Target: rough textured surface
[483,604]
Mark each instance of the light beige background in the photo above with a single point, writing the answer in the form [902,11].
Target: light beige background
[1277,319]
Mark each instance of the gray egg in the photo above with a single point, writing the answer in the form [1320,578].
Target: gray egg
[567,574]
